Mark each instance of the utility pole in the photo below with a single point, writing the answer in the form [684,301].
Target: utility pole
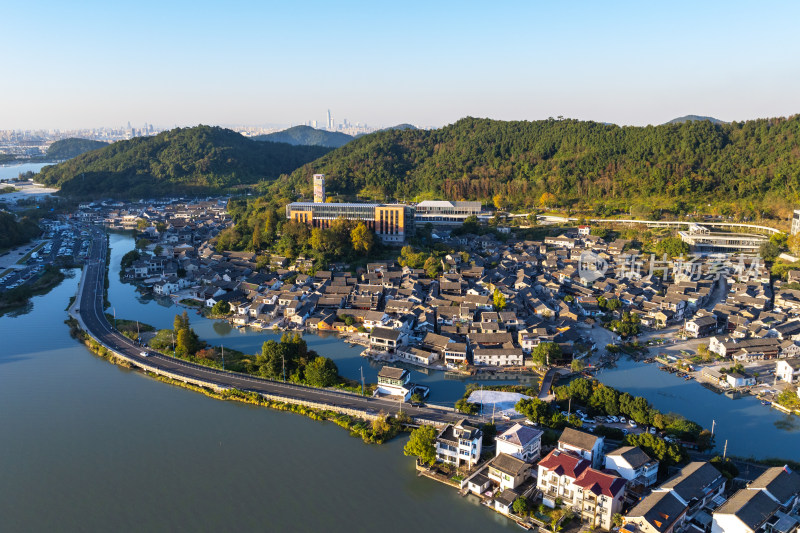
[115,317]
[362,380]
[713,425]
[223,357]
[137,330]
[283,363]
[725,450]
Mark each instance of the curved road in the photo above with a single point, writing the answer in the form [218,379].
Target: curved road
[92,315]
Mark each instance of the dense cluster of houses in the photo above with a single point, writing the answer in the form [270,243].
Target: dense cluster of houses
[553,291]
[596,485]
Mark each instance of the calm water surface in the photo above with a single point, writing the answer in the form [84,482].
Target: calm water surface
[12,171]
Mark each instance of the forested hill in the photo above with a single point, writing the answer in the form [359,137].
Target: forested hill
[692,118]
[579,163]
[72,147]
[308,136]
[180,161]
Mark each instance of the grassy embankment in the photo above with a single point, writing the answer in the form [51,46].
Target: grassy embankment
[378,431]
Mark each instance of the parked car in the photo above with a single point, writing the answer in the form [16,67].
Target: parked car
[622,420]
[652,430]
[632,423]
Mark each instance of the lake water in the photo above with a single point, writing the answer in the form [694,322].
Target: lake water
[749,427]
[12,171]
[89,446]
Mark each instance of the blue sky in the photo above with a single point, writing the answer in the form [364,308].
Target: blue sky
[83,64]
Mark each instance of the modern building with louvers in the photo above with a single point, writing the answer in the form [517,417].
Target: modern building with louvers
[392,223]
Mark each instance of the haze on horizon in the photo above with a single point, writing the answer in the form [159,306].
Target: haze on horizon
[97,64]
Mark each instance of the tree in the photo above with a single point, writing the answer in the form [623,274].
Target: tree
[534,409]
[769,251]
[545,352]
[577,365]
[417,398]
[466,407]
[499,300]
[362,238]
[617,520]
[141,224]
[141,244]
[547,199]
[158,250]
[672,247]
[422,444]
[520,506]
[221,308]
[321,372]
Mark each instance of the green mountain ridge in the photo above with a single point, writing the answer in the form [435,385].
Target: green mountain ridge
[693,118]
[307,136]
[580,163]
[197,160]
[71,147]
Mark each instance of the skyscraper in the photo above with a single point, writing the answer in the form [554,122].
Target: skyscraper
[330,121]
[319,188]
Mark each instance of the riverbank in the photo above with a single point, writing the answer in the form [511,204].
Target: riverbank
[19,297]
[375,428]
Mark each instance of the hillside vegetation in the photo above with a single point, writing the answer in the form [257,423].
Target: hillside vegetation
[746,168]
[72,147]
[13,232]
[180,161]
[307,136]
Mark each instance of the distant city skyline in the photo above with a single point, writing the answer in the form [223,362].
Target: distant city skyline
[96,64]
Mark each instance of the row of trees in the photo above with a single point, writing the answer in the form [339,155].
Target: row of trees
[601,399]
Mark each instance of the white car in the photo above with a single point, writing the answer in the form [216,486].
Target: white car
[144,354]
[622,420]
[613,419]
[631,423]
[652,430]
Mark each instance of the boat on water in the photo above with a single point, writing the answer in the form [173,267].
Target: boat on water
[765,402]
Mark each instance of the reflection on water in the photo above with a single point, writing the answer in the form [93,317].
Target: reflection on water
[749,427]
[222,328]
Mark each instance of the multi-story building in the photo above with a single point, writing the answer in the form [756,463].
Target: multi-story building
[445,212]
[594,494]
[390,222]
[796,222]
[521,442]
[459,444]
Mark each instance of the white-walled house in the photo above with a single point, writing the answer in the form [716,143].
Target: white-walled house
[633,464]
[522,442]
[459,444]
[788,370]
[585,445]
[393,381]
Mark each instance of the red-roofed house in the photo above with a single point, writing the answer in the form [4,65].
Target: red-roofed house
[594,494]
